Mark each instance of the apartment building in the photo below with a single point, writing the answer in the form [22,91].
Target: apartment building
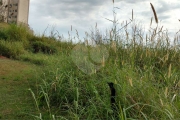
[15,11]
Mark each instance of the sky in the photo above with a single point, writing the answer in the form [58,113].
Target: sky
[83,15]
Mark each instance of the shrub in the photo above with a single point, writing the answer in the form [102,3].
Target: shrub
[3,34]
[39,46]
[11,49]
[17,33]
[41,38]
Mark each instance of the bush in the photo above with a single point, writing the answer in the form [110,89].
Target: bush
[11,49]
[17,33]
[43,47]
[3,34]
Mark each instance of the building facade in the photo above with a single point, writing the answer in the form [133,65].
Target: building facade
[15,11]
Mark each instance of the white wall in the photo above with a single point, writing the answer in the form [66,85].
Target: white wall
[23,11]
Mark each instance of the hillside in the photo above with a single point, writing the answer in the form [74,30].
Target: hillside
[43,78]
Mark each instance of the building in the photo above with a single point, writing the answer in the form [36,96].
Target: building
[15,11]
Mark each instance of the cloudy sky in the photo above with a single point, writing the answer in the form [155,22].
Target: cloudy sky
[84,14]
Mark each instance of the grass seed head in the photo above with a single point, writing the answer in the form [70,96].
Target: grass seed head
[155,15]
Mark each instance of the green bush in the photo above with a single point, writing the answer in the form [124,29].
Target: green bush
[17,33]
[3,34]
[11,49]
[43,47]
[42,39]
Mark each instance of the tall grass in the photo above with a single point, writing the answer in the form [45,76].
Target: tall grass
[144,70]
[146,81]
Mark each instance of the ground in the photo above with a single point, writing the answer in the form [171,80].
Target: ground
[16,101]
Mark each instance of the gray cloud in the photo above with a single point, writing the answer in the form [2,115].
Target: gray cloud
[130,1]
[83,14]
[68,8]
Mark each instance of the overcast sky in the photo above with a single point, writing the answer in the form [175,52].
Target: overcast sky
[84,14]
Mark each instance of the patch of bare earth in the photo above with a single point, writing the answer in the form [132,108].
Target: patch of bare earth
[2,57]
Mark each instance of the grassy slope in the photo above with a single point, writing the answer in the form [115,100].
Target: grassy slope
[15,99]
[146,81]
[93,90]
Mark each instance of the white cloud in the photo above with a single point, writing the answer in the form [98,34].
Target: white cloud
[83,15]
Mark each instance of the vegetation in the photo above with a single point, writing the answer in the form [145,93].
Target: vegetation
[15,99]
[144,71]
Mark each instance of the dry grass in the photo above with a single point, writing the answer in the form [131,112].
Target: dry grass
[155,15]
